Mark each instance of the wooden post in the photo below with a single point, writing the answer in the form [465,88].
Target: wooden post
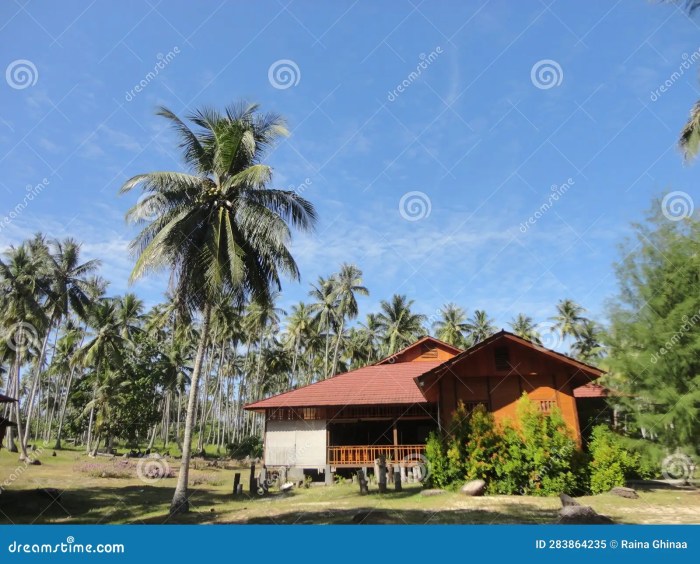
[364,490]
[252,483]
[376,470]
[397,478]
[236,482]
[262,482]
[382,473]
[396,442]
[239,489]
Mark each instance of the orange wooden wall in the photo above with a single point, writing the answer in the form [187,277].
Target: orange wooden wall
[476,379]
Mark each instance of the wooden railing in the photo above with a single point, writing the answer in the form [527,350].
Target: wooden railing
[365,455]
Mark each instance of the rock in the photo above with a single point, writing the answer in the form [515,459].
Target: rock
[474,488]
[53,453]
[568,501]
[629,493]
[582,515]
[430,493]
[34,462]
[286,487]
[154,455]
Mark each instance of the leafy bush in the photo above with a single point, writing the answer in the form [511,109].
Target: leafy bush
[251,446]
[482,446]
[611,462]
[436,455]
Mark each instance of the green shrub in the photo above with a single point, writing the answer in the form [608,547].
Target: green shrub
[611,462]
[436,455]
[252,446]
[481,447]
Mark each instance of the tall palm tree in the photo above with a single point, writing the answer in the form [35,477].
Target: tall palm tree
[299,327]
[22,288]
[399,325]
[588,345]
[66,287]
[103,353]
[326,309]
[568,318]
[481,327]
[219,227]
[523,326]
[348,284]
[452,325]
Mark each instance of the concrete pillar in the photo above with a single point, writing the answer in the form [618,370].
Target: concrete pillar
[328,475]
[397,478]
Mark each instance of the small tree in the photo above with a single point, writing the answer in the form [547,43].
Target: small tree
[611,463]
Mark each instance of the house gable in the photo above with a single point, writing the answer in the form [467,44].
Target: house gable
[427,349]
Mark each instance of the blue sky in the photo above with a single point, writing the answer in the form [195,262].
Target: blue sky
[478,133]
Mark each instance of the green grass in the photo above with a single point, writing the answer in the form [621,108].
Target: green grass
[87,498]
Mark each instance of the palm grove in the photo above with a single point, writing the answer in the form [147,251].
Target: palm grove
[95,369]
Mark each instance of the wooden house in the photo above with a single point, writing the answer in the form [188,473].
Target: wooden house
[390,407]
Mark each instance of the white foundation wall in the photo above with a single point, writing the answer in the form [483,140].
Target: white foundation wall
[296,443]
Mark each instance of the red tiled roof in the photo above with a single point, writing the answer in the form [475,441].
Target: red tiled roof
[371,385]
[591,390]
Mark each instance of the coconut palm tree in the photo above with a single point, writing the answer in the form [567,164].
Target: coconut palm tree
[218,228]
[326,309]
[568,318]
[523,326]
[588,345]
[103,353]
[299,327]
[22,289]
[348,284]
[66,287]
[480,327]
[452,325]
[399,325]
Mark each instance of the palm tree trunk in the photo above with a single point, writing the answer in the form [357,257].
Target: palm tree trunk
[35,384]
[18,415]
[180,503]
[61,417]
[337,345]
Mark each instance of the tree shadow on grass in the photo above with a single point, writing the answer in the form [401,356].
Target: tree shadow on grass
[96,505]
[149,505]
[517,514]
